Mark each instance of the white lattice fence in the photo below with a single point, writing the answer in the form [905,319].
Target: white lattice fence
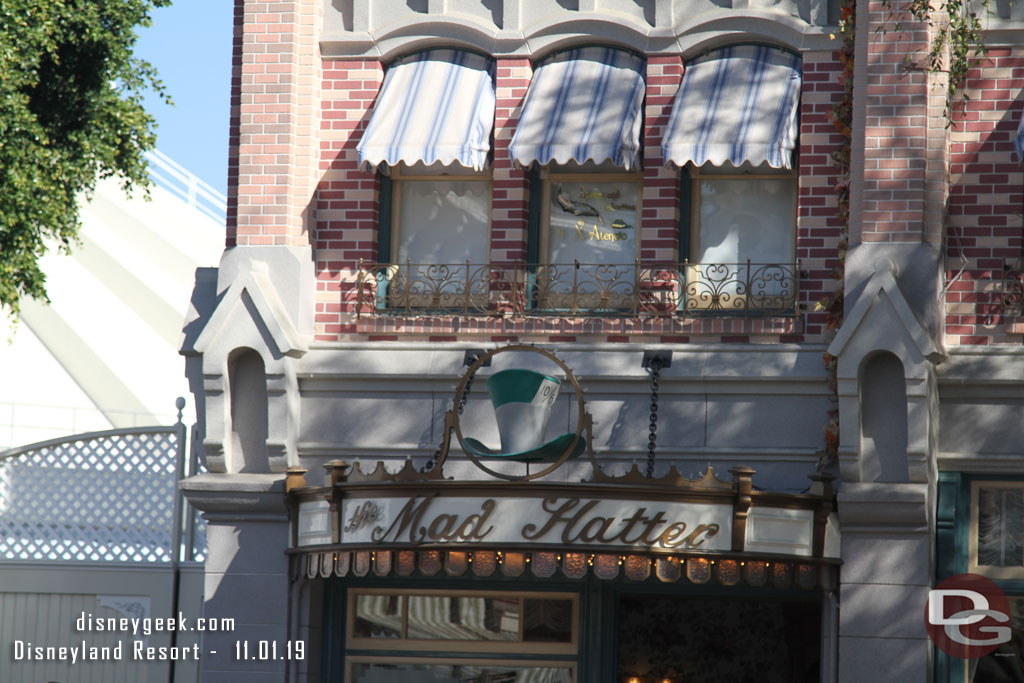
[104,496]
[194,542]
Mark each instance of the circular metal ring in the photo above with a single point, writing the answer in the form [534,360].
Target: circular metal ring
[580,422]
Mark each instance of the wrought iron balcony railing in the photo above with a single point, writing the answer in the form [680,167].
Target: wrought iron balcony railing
[1013,288]
[578,289]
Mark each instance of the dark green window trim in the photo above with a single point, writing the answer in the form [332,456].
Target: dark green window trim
[685,210]
[533,218]
[384,220]
[952,534]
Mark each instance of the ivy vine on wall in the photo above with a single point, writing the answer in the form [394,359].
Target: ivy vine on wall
[956,45]
[841,116]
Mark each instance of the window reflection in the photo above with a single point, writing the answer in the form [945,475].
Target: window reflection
[378,616]
[463,618]
[457,673]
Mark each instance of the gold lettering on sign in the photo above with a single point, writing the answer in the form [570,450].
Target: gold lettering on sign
[594,234]
[363,515]
[444,527]
[571,519]
[637,529]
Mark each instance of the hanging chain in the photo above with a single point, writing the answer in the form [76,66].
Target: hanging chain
[652,439]
[462,406]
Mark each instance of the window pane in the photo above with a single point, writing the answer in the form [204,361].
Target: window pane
[444,221]
[1001,527]
[739,641]
[1003,665]
[593,222]
[743,218]
[378,616]
[446,617]
[408,672]
[547,621]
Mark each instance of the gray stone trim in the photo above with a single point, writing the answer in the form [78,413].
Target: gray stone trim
[681,28]
[242,497]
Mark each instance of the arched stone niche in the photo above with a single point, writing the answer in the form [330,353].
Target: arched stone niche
[248,350]
[247,401]
[887,388]
[883,419]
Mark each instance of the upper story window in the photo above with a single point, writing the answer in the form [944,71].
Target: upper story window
[580,126]
[430,135]
[733,132]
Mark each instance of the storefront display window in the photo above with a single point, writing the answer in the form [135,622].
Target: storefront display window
[981,531]
[997,529]
[666,638]
[459,635]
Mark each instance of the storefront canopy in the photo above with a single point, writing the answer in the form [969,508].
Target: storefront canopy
[738,105]
[435,106]
[583,104]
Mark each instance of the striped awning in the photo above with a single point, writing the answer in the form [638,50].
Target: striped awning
[583,104]
[434,106]
[1018,141]
[737,104]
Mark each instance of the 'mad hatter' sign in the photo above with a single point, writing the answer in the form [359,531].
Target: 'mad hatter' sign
[557,520]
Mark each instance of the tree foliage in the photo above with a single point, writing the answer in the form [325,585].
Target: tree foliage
[70,113]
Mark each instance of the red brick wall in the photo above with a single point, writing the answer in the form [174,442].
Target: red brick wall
[986,200]
[274,127]
[818,225]
[347,216]
[346,228]
[897,131]
[231,222]
[659,236]
[508,207]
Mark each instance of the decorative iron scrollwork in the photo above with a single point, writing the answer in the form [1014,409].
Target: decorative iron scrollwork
[577,289]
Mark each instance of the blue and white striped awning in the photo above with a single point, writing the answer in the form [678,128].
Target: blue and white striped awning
[1018,141]
[433,106]
[583,104]
[737,104]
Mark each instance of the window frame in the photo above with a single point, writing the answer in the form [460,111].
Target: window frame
[597,606]
[696,174]
[708,299]
[550,174]
[473,648]
[1005,573]
[397,177]
[956,553]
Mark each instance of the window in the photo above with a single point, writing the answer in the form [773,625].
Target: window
[439,229]
[733,134]
[580,126]
[588,238]
[997,529]
[430,137]
[574,631]
[741,238]
[484,636]
[980,529]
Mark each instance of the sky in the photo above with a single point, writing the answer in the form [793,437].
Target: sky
[189,43]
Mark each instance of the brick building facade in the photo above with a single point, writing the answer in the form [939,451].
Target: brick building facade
[316,342]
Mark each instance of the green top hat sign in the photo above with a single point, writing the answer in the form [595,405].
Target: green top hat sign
[522,402]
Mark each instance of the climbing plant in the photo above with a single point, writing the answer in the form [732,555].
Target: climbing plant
[957,41]
[841,116]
